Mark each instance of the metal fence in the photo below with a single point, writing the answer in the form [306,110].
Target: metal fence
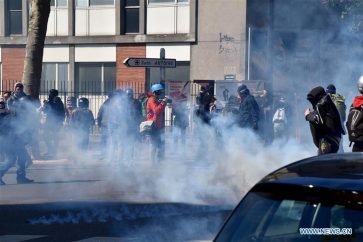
[96,91]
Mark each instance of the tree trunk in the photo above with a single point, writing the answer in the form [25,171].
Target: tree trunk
[38,21]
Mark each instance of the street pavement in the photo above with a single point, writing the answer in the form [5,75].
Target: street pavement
[89,199]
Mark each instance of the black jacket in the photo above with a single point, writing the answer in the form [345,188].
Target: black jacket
[324,120]
[249,112]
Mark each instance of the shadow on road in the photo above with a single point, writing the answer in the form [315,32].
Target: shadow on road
[110,221]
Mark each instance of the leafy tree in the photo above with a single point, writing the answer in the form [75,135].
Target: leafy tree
[349,11]
[38,20]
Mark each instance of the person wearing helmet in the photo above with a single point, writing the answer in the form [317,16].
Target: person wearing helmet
[324,121]
[355,120]
[81,121]
[155,109]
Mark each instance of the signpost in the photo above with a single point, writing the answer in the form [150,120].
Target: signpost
[161,62]
[150,62]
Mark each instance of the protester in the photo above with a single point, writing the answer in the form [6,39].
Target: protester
[265,103]
[81,121]
[180,120]
[7,157]
[281,119]
[249,112]
[103,122]
[6,96]
[155,109]
[203,100]
[134,118]
[54,112]
[324,120]
[71,105]
[355,120]
[339,101]
[21,109]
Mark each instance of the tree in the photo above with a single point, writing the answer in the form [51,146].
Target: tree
[38,21]
[349,10]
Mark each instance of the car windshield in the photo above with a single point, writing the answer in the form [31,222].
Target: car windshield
[265,215]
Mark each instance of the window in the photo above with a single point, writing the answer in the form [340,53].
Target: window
[101,2]
[286,219]
[95,78]
[161,1]
[131,20]
[54,75]
[168,1]
[58,3]
[86,3]
[168,17]
[181,72]
[15,19]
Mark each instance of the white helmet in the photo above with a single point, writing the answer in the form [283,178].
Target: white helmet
[360,84]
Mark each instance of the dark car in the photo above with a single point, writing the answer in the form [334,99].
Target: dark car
[316,199]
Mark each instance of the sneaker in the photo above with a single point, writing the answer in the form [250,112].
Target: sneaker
[23,180]
[2,183]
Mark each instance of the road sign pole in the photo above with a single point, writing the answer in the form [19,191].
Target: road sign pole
[162,69]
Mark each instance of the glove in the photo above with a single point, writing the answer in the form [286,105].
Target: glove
[165,100]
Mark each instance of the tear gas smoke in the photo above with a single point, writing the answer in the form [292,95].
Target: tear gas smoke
[219,163]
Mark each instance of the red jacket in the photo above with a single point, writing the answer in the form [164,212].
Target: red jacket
[154,111]
[358,101]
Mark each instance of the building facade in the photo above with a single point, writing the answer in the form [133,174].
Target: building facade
[88,40]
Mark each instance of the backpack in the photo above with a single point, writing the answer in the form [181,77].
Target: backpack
[339,102]
[279,119]
[143,107]
[355,124]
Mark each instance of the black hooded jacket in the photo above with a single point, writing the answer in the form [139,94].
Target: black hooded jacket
[324,120]
[249,111]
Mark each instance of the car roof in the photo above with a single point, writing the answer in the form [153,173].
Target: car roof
[336,171]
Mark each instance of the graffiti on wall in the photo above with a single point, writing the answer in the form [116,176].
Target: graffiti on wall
[227,44]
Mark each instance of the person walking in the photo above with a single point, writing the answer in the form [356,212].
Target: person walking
[249,111]
[324,121]
[21,110]
[155,109]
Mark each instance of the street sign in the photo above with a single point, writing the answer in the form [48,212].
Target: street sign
[150,62]
[229,77]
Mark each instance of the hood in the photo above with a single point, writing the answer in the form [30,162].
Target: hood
[315,95]
[358,101]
